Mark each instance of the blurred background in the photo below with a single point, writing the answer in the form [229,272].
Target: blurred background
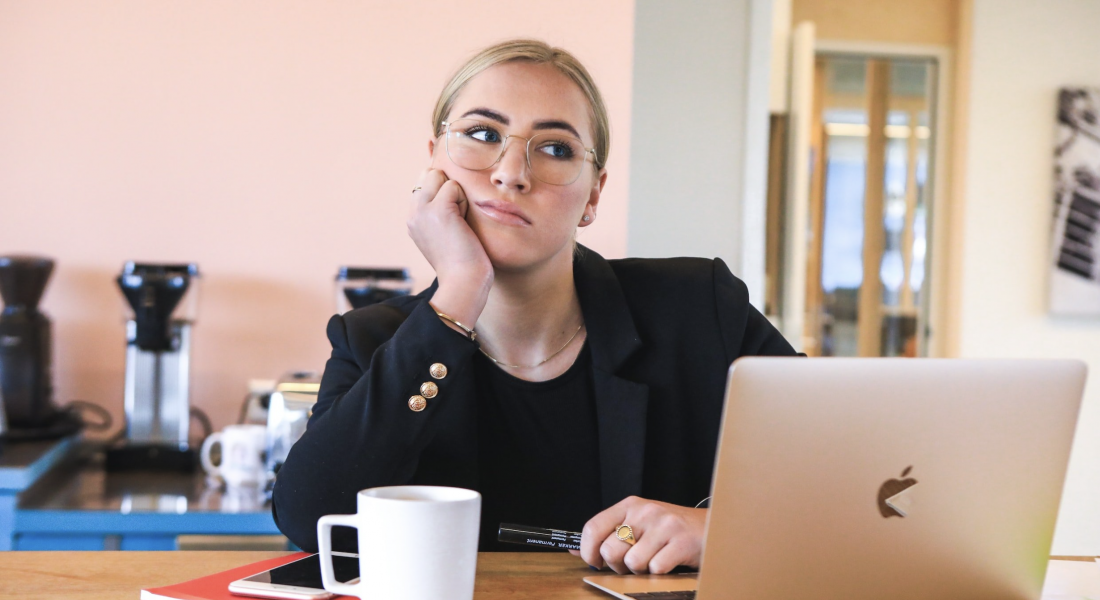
[879,172]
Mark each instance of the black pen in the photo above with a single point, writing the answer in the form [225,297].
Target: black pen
[539,536]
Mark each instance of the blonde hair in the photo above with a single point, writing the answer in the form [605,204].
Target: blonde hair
[537,52]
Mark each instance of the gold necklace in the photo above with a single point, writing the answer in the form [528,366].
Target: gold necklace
[538,364]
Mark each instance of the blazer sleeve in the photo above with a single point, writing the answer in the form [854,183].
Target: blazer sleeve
[362,433]
[745,331]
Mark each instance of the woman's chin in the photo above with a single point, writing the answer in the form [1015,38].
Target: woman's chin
[515,256]
[510,259]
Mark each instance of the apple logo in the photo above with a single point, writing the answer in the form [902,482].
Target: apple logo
[892,488]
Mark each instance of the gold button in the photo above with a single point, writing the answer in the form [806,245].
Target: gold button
[438,371]
[429,390]
[417,403]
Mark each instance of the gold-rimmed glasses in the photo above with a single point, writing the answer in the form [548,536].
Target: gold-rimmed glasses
[553,157]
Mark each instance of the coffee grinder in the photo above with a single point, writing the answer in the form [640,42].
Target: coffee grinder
[26,384]
[163,301]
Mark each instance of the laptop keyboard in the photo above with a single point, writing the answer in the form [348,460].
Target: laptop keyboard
[685,595]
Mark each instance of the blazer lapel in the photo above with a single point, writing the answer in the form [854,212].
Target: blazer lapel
[621,405]
[621,422]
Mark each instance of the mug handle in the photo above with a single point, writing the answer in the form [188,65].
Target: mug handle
[204,455]
[324,543]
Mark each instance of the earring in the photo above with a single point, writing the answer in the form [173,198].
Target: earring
[587,218]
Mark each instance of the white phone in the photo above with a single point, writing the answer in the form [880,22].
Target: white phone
[298,580]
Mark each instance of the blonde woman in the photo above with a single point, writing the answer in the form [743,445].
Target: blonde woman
[573,392]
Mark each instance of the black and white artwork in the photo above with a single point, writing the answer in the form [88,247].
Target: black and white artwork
[1075,278]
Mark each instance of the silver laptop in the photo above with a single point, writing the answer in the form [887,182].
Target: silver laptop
[882,478]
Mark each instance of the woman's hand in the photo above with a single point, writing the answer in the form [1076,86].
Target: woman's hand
[437,224]
[666,536]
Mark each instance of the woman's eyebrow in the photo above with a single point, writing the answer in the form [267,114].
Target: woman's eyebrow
[489,113]
[557,125]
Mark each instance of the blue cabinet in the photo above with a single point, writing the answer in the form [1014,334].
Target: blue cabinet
[55,496]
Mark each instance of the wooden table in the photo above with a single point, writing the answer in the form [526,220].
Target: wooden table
[121,575]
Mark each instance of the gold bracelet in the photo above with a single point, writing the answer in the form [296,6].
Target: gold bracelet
[470,333]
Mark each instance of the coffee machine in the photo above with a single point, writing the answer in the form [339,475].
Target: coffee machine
[163,302]
[26,384]
[357,287]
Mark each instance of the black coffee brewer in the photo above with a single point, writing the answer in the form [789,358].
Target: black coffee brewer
[26,386]
[162,299]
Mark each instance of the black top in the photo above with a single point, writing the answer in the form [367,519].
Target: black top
[538,454]
[661,333]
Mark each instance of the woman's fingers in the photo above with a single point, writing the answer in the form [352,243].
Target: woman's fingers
[450,197]
[675,552]
[638,557]
[613,552]
[597,529]
[429,183]
[666,535]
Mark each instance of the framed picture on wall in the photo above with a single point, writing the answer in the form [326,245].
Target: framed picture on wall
[1075,243]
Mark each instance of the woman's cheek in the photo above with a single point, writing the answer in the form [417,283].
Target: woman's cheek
[439,163]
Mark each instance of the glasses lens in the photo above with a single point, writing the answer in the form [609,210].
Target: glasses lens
[474,144]
[556,159]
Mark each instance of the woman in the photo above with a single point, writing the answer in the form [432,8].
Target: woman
[571,391]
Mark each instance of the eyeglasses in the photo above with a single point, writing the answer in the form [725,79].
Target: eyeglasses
[553,158]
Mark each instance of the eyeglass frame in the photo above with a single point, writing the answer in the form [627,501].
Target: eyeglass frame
[504,147]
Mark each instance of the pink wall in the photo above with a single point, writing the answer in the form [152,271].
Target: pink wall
[267,141]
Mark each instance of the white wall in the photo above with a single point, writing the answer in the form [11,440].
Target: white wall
[1023,51]
[699,133]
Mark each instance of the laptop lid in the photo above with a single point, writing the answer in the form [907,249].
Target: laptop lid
[899,478]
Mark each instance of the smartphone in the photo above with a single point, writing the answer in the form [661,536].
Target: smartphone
[298,580]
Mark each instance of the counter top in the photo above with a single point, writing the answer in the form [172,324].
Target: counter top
[86,486]
[77,505]
[22,463]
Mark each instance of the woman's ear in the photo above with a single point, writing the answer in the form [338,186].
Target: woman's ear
[431,148]
[589,215]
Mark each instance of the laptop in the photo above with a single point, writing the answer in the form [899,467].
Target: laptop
[882,478]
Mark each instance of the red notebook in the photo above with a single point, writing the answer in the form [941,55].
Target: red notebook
[216,586]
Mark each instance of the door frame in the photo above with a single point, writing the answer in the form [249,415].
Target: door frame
[940,173]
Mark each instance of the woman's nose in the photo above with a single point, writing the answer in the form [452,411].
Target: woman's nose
[511,170]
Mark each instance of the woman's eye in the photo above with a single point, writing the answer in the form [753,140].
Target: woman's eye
[484,135]
[557,150]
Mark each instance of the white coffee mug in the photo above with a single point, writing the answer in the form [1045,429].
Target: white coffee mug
[242,463]
[415,542]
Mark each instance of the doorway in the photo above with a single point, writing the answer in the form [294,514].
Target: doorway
[864,207]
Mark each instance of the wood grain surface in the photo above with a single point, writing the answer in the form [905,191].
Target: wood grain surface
[122,575]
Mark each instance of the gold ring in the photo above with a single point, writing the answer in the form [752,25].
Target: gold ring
[417,188]
[627,537]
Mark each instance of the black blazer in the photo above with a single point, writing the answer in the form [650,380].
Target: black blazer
[662,333]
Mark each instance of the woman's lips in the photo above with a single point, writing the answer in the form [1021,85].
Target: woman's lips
[503,212]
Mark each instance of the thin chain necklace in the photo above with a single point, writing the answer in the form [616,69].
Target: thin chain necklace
[538,364]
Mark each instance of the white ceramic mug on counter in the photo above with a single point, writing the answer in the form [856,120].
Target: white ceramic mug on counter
[415,542]
[242,463]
